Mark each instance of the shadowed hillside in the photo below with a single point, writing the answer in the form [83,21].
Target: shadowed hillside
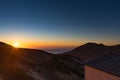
[90,51]
[31,64]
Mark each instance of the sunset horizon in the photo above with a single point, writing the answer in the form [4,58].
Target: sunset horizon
[59,39]
[52,48]
[36,24]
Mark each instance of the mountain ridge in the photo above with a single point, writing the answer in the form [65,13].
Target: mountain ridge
[32,64]
[92,50]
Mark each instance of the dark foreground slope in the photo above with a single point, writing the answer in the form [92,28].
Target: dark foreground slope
[90,51]
[31,64]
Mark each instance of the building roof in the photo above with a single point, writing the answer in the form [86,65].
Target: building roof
[109,63]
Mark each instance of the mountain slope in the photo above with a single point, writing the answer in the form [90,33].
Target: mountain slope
[92,50]
[31,64]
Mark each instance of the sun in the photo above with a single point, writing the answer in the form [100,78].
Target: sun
[16,44]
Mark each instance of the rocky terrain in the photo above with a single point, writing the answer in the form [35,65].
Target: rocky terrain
[31,64]
[91,51]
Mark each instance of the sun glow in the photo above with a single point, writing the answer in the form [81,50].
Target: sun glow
[16,44]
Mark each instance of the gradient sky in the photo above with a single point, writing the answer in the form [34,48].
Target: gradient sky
[38,23]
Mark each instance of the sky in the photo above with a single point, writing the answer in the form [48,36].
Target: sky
[59,23]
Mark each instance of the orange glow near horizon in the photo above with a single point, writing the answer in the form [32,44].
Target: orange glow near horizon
[40,45]
[16,44]
[25,41]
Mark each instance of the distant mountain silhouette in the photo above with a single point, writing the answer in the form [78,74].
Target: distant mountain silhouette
[32,64]
[92,50]
[4,45]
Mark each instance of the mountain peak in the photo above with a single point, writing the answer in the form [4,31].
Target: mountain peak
[88,51]
[89,45]
[93,44]
[2,44]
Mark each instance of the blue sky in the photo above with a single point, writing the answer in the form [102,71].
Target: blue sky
[62,22]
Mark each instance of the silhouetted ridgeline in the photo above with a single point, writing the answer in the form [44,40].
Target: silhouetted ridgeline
[90,51]
[32,64]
